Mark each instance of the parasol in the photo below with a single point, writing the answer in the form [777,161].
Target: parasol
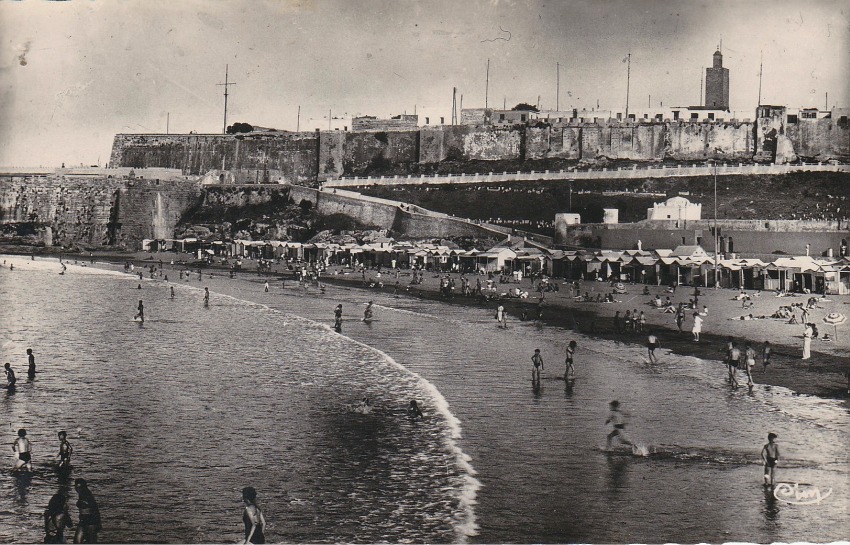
[833,319]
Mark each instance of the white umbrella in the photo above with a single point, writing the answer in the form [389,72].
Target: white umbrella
[835,318]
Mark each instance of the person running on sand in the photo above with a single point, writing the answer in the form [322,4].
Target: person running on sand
[570,370]
[651,345]
[23,449]
[770,456]
[616,419]
[537,360]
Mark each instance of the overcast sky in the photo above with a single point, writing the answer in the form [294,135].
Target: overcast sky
[75,73]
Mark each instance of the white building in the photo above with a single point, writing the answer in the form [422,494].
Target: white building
[675,208]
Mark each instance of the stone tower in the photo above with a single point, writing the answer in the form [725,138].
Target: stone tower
[717,84]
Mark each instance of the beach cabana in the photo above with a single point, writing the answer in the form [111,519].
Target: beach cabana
[495,259]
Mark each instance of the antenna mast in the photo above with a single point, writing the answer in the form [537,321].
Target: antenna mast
[558,88]
[487,85]
[761,65]
[628,79]
[226,84]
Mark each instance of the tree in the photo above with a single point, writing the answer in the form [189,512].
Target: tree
[239,127]
[523,107]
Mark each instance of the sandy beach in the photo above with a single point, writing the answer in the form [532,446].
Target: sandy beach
[823,375]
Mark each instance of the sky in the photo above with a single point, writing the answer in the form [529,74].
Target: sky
[73,74]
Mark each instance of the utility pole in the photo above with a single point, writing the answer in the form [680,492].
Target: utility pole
[761,65]
[461,105]
[558,87]
[167,121]
[649,102]
[329,120]
[826,100]
[628,80]
[226,84]
[716,243]
[298,121]
[487,85]
[702,71]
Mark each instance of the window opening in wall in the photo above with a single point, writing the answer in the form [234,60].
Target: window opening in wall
[501,117]
[522,117]
[675,116]
[711,117]
[792,118]
[694,116]
[683,240]
[699,241]
[731,245]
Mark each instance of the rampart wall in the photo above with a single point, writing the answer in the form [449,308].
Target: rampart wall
[310,157]
[96,211]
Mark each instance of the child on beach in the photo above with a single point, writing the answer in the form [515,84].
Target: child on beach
[537,360]
[697,326]
[570,371]
[770,456]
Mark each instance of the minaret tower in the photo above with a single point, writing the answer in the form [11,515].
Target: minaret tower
[717,84]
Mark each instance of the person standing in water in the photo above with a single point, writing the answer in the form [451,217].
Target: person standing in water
[23,449]
[252,517]
[10,376]
[56,519]
[65,451]
[31,361]
[765,355]
[141,313]
[338,318]
[537,361]
[770,457]
[570,370]
[413,410]
[206,297]
[89,524]
[367,314]
[616,419]
[172,292]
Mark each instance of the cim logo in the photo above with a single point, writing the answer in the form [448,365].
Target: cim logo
[799,494]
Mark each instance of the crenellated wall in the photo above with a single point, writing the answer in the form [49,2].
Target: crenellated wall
[311,157]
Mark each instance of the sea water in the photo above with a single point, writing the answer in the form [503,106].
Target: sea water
[169,420]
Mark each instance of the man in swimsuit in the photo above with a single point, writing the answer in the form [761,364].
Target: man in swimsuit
[10,376]
[22,447]
[734,362]
[537,360]
[65,451]
[615,418]
[770,456]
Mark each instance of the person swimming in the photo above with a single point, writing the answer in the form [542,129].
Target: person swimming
[364,407]
[413,410]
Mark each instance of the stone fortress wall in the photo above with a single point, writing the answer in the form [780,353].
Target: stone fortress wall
[312,157]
